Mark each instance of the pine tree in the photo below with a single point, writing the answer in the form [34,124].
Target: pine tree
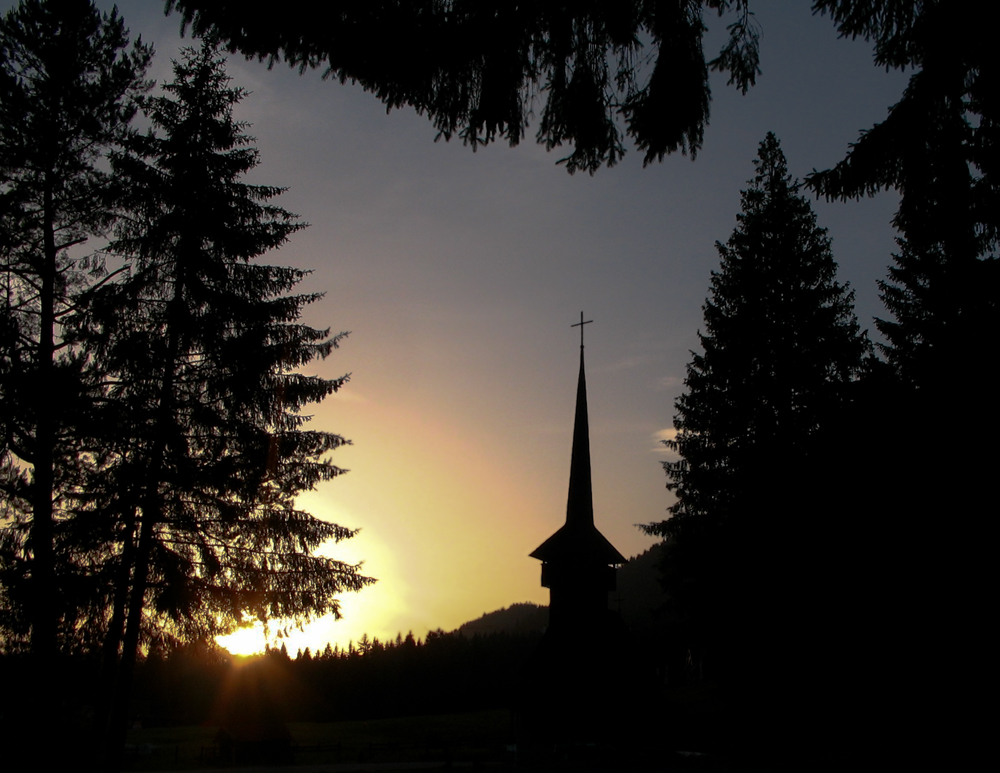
[206,444]
[67,86]
[937,148]
[942,290]
[929,454]
[68,82]
[780,345]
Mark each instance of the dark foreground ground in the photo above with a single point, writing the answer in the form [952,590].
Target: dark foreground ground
[471,741]
[478,738]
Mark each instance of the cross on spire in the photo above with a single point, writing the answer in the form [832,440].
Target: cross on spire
[580,325]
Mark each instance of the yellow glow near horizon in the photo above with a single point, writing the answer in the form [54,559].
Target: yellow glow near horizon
[246,641]
[368,616]
[444,534]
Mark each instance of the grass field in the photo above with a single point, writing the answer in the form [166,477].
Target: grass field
[477,736]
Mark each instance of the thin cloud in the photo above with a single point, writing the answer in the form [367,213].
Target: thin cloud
[626,364]
[659,437]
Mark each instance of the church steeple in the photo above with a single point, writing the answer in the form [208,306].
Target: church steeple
[580,506]
[575,682]
[578,562]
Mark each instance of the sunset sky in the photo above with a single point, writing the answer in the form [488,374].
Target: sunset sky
[459,275]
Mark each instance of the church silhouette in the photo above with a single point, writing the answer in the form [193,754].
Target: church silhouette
[572,687]
[578,563]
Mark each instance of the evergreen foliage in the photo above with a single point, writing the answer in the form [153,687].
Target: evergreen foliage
[475,67]
[924,482]
[68,84]
[780,344]
[747,561]
[937,147]
[151,394]
[204,347]
[205,448]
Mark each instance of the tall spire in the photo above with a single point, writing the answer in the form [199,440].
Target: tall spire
[578,543]
[580,505]
[577,668]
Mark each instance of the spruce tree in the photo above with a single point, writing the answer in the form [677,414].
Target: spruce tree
[68,83]
[780,342]
[936,148]
[779,347]
[929,454]
[478,69]
[206,445]
[68,80]
[942,290]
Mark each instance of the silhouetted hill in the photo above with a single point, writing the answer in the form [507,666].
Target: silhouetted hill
[640,600]
[515,619]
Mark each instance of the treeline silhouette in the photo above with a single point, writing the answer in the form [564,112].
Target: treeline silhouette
[475,667]
[201,683]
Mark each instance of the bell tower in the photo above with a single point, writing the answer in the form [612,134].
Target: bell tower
[578,562]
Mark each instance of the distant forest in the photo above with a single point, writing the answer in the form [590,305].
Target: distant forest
[471,668]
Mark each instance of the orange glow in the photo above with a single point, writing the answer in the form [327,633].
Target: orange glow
[445,534]
[245,641]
